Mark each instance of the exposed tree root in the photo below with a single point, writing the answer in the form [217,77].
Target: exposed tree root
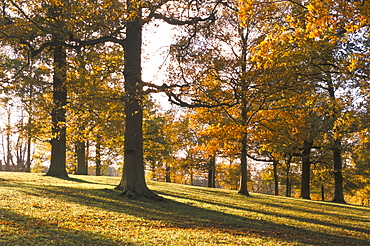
[139,193]
[244,193]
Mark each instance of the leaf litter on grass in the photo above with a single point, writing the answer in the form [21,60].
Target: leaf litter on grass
[85,210]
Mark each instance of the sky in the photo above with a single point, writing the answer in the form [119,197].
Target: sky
[157,40]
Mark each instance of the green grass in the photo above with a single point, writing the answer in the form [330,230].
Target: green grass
[85,210]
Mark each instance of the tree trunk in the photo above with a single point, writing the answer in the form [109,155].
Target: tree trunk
[306,169]
[322,192]
[212,172]
[337,159]
[98,158]
[9,157]
[168,174]
[152,170]
[28,160]
[288,185]
[87,155]
[81,168]
[29,135]
[338,177]
[243,186]
[58,142]
[191,176]
[133,178]
[276,181]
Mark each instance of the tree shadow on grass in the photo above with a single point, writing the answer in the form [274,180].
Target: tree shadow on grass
[180,215]
[80,180]
[310,207]
[22,230]
[281,215]
[173,215]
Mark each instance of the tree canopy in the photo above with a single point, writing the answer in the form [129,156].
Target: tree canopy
[270,82]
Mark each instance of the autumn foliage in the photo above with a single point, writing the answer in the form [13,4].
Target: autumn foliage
[264,96]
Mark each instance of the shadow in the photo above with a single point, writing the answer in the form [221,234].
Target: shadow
[285,216]
[326,203]
[79,180]
[181,215]
[25,230]
[316,208]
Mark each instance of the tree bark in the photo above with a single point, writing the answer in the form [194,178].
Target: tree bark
[288,189]
[28,160]
[276,181]
[168,174]
[133,178]
[81,168]
[29,136]
[9,156]
[243,186]
[98,158]
[212,172]
[338,177]
[337,149]
[58,142]
[306,169]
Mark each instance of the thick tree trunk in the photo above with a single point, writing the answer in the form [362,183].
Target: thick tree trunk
[58,142]
[276,181]
[133,178]
[212,172]
[243,186]
[81,168]
[338,177]
[306,169]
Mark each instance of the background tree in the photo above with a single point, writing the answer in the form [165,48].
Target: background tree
[216,67]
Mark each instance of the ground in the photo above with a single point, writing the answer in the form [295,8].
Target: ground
[86,210]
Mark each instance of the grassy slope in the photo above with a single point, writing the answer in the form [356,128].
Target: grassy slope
[85,210]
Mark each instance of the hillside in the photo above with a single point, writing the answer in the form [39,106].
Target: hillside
[85,210]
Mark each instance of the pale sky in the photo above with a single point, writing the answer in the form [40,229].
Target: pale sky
[157,39]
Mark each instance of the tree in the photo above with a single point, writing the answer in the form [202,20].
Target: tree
[217,70]
[95,113]
[161,141]
[56,25]
[312,33]
[133,179]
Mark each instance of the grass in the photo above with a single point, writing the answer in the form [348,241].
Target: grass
[85,210]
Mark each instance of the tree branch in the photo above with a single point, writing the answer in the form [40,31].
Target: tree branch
[176,22]
[80,43]
[175,99]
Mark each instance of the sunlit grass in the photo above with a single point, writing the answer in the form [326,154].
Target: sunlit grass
[85,210]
